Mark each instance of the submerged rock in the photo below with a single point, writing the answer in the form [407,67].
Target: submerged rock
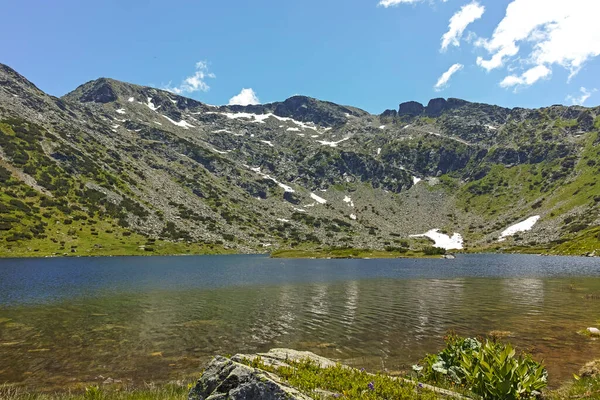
[590,369]
[594,331]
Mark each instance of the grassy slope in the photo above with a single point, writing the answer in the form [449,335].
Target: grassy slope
[552,189]
[62,216]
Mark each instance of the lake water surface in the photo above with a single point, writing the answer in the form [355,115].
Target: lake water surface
[79,320]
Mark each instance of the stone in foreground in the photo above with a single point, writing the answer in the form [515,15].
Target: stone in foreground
[227,379]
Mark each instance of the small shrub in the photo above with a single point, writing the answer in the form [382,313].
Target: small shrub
[491,369]
[433,251]
[401,250]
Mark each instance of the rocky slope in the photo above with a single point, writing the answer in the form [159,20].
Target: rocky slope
[115,167]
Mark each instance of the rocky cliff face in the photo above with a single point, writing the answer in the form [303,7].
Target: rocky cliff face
[147,164]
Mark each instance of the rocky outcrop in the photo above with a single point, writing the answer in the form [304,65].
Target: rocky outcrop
[233,378]
[436,107]
[389,114]
[410,108]
[225,378]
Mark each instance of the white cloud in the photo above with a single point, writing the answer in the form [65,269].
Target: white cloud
[458,23]
[579,100]
[194,83]
[390,3]
[443,80]
[244,98]
[560,32]
[528,78]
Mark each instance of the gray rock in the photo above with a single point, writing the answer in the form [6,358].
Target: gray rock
[279,357]
[227,379]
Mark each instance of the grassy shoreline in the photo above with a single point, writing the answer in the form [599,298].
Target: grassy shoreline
[584,387]
[176,249]
[349,253]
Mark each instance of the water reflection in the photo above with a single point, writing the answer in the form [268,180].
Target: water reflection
[372,323]
[527,292]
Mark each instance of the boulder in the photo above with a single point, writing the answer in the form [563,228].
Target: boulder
[227,379]
[279,358]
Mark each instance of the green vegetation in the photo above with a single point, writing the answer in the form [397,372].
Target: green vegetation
[61,215]
[166,392]
[489,369]
[346,383]
[580,388]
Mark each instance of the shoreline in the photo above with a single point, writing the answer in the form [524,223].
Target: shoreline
[359,254]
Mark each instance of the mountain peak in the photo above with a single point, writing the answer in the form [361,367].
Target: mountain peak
[98,91]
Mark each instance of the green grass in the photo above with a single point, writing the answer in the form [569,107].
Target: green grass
[347,383]
[584,242]
[166,392]
[581,388]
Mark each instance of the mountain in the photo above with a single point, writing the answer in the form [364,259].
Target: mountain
[117,168]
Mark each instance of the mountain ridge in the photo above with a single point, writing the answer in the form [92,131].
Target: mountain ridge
[297,174]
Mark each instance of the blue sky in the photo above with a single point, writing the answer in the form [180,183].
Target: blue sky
[364,53]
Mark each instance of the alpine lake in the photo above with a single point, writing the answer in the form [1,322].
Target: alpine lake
[77,321]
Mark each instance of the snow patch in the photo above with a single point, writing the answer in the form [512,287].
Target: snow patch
[522,226]
[267,142]
[352,216]
[151,105]
[348,200]
[379,151]
[120,111]
[283,220]
[261,118]
[491,127]
[183,124]
[416,180]
[222,131]
[382,127]
[318,199]
[299,209]
[131,99]
[331,144]
[220,151]
[157,123]
[443,241]
[293,129]
[265,176]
